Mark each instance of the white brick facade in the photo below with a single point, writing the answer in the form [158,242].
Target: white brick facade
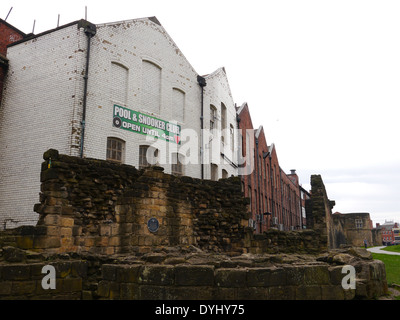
[134,64]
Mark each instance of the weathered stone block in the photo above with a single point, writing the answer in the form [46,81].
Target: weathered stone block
[16,272]
[20,288]
[294,275]
[127,274]
[308,292]
[71,285]
[282,293]
[231,278]
[129,291]
[316,275]
[148,292]
[66,222]
[103,289]
[189,293]
[194,275]
[332,292]
[5,288]
[259,277]
[156,275]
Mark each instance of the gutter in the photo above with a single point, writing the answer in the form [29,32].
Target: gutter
[90,31]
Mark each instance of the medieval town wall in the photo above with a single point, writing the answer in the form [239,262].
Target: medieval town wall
[93,230]
[188,274]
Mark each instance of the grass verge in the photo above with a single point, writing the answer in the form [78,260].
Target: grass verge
[392,248]
[392,266]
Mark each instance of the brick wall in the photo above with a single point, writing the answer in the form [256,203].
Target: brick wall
[8,34]
[272,190]
[43,97]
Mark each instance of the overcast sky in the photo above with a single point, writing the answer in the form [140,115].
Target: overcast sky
[321,77]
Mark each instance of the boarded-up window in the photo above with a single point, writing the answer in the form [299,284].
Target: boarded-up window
[177,164]
[213,117]
[151,87]
[214,172]
[119,83]
[178,105]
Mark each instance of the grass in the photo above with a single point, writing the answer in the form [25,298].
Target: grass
[392,248]
[392,265]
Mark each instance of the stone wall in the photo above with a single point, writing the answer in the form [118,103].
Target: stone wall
[97,206]
[190,274]
[337,229]
[93,229]
[319,212]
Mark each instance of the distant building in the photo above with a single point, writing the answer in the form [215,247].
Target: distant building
[390,232]
[275,200]
[355,228]
[8,34]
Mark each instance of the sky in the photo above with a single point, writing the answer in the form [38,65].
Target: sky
[322,77]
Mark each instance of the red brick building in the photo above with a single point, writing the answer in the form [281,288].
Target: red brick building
[275,197]
[390,232]
[8,34]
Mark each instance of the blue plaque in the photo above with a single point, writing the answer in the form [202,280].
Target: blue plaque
[153,225]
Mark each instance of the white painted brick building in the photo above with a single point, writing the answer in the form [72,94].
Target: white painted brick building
[135,71]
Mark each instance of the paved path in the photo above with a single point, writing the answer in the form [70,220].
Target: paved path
[378,250]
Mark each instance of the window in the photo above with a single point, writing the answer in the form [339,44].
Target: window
[177,164]
[214,172]
[224,174]
[178,107]
[223,116]
[213,117]
[359,224]
[232,137]
[148,156]
[223,122]
[115,150]
[151,87]
[119,82]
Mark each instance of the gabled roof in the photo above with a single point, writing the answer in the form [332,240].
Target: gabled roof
[156,22]
[220,71]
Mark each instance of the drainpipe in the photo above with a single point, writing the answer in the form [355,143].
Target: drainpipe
[202,84]
[90,31]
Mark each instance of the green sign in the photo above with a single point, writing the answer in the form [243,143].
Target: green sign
[135,121]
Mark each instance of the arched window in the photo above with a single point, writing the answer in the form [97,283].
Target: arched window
[213,117]
[214,172]
[223,116]
[151,87]
[178,104]
[119,83]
